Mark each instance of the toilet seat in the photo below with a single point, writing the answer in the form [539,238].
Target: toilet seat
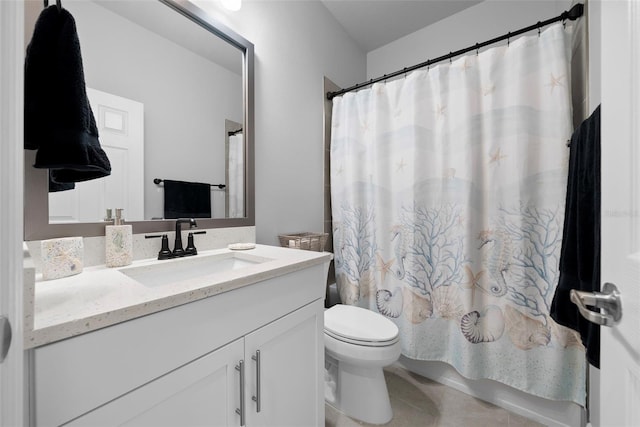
[359,326]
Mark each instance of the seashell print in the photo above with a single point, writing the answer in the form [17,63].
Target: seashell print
[389,303]
[349,291]
[566,337]
[416,308]
[525,333]
[447,302]
[485,326]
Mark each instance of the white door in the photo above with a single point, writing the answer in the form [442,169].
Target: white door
[11,183]
[120,123]
[285,371]
[620,144]
[205,392]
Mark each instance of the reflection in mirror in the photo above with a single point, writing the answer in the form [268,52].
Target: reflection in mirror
[165,83]
[234,168]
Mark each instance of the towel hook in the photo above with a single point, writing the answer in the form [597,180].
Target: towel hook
[58,3]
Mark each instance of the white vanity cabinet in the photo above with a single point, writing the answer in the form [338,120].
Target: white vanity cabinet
[201,393]
[180,367]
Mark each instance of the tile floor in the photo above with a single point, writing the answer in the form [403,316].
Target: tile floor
[420,402]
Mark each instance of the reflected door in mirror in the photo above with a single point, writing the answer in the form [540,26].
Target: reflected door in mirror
[121,127]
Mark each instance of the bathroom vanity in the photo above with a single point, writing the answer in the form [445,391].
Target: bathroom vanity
[242,345]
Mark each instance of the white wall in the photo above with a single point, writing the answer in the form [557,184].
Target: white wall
[484,21]
[297,43]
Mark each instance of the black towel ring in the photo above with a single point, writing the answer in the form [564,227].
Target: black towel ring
[58,3]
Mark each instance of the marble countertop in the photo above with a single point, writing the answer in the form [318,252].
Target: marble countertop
[100,296]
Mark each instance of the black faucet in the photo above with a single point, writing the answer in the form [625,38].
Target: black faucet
[177,247]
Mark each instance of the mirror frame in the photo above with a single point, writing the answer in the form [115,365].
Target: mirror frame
[36,190]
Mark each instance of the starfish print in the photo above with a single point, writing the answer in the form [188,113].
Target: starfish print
[365,127]
[400,165]
[496,156]
[555,82]
[441,110]
[488,89]
[384,267]
[465,65]
[473,282]
[340,170]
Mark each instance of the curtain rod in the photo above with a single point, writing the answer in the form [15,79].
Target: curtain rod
[574,13]
[235,132]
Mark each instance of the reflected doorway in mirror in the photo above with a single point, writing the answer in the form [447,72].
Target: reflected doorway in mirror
[120,124]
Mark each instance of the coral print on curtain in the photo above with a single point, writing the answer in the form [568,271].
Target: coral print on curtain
[448,193]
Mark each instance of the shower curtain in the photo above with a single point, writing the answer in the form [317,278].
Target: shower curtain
[448,191]
[236,176]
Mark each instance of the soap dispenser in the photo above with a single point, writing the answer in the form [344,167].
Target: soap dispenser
[118,249]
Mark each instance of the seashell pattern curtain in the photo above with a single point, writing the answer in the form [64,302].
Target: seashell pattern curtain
[448,192]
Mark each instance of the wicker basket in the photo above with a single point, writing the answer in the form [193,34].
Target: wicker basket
[307,241]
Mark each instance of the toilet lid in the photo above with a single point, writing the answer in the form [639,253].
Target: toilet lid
[359,324]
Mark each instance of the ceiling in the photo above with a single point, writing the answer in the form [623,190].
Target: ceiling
[375,23]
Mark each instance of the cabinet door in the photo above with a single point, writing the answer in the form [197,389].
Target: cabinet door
[203,392]
[291,354]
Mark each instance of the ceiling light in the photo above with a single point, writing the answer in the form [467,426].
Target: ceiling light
[233,5]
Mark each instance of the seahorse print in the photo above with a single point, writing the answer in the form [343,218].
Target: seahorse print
[402,238]
[499,251]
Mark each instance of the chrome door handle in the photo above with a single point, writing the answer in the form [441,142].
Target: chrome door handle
[608,300]
[240,411]
[5,337]
[256,398]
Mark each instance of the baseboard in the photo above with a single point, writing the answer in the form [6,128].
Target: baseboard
[547,412]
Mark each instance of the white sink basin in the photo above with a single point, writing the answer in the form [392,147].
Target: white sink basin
[181,269]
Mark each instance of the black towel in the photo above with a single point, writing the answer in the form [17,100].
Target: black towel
[186,199]
[580,253]
[59,186]
[58,119]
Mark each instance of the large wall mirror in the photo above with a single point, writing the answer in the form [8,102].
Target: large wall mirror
[172,93]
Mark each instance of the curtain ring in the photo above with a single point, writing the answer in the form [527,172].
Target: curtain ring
[539,26]
[450,61]
[508,38]
[405,72]
[477,49]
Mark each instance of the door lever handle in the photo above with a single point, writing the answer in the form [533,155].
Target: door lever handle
[5,337]
[608,301]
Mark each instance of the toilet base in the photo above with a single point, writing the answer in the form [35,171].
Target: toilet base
[362,394]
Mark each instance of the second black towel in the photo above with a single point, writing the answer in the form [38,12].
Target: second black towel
[186,199]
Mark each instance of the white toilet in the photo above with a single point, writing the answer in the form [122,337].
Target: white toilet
[358,344]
